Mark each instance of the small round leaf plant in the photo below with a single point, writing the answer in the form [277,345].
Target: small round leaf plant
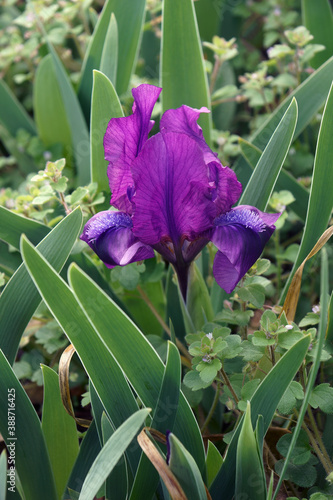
[173,195]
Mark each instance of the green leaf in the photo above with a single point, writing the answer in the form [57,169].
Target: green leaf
[133,353]
[104,106]
[290,397]
[324,286]
[214,461]
[111,452]
[147,478]
[310,96]
[183,76]
[59,431]
[322,396]
[183,466]
[49,109]
[264,402]
[29,449]
[20,299]
[106,375]
[268,167]
[116,485]
[92,58]
[13,116]
[12,225]
[250,475]
[321,201]
[75,118]
[255,294]
[109,58]
[318,18]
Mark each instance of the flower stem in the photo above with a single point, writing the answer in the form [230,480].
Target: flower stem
[319,439]
[161,321]
[228,384]
[212,409]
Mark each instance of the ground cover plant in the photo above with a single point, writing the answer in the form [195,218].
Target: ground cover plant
[165,221]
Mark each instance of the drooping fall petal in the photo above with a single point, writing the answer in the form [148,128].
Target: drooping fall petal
[240,236]
[124,139]
[226,189]
[110,235]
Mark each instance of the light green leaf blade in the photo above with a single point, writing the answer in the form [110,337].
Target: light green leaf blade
[3,475]
[147,478]
[92,58]
[214,461]
[264,176]
[130,17]
[183,466]
[198,302]
[20,299]
[106,375]
[116,485]
[12,225]
[111,453]
[310,96]
[49,109]
[59,431]
[13,116]
[321,200]
[31,456]
[75,118]
[250,476]
[318,18]
[104,106]
[324,308]
[183,77]
[134,360]
[109,59]
[263,402]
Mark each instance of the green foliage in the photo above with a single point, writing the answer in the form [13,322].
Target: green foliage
[67,69]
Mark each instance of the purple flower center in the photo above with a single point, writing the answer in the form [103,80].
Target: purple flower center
[109,220]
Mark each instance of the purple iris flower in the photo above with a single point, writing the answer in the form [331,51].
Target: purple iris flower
[173,195]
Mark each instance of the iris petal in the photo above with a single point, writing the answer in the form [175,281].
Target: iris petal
[226,189]
[240,236]
[111,237]
[172,200]
[124,139]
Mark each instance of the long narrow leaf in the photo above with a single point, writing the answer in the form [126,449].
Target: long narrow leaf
[183,75]
[106,375]
[318,18]
[12,225]
[104,106]
[321,200]
[12,115]
[20,299]
[25,441]
[111,453]
[59,431]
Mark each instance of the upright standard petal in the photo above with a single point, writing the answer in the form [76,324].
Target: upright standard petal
[124,139]
[240,236]
[110,235]
[225,187]
[172,202]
